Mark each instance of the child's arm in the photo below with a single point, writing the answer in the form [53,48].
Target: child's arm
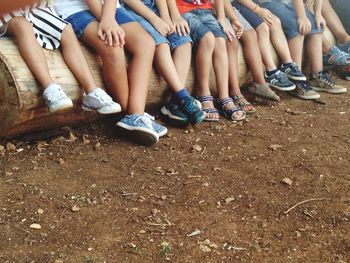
[319,20]
[263,13]
[164,14]
[161,26]
[180,24]
[109,31]
[304,23]
[233,18]
[220,11]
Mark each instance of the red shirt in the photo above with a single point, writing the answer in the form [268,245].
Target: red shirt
[189,5]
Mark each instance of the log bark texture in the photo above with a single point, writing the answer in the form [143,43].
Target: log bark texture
[23,110]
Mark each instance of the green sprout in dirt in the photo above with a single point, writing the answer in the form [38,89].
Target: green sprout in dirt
[89,259]
[165,248]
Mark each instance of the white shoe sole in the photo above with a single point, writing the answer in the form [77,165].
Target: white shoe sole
[313,97]
[332,91]
[167,113]
[282,89]
[142,135]
[104,110]
[296,78]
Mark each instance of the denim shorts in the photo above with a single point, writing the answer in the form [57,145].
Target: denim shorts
[82,19]
[286,13]
[253,19]
[174,40]
[202,21]
[342,8]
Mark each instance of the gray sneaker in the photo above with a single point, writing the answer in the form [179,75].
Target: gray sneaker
[100,101]
[304,91]
[56,99]
[322,82]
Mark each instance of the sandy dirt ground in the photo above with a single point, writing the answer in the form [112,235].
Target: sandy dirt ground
[217,193]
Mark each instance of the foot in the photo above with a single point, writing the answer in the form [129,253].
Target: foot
[344,47]
[322,82]
[293,72]
[336,57]
[241,102]
[230,110]
[140,127]
[212,113]
[100,101]
[304,91]
[174,114]
[194,113]
[264,91]
[56,99]
[159,129]
[280,81]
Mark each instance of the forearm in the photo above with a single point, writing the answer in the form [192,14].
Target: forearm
[249,4]
[220,10]
[230,13]
[318,6]
[162,8]
[96,8]
[140,9]
[173,10]
[299,8]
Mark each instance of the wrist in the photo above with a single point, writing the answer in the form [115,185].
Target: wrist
[255,8]
[302,16]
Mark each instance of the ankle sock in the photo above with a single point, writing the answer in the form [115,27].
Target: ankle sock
[180,95]
[270,72]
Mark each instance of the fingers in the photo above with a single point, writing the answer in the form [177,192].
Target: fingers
[101,35]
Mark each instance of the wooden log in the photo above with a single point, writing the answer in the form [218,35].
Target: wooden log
[23,110]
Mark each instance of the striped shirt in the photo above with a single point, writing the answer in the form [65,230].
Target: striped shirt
[47,25]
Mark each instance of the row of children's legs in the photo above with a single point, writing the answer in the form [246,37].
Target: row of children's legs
[169,46]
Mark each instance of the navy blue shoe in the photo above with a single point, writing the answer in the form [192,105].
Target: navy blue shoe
[280,81]
[192,110]
[293,72]
[174,115]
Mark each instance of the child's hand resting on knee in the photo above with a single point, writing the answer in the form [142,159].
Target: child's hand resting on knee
[111,33]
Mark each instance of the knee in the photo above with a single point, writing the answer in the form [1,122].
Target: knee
[220,43]
[276,22]
[20,26]
[263,30]
[113,55]
[143,45]
[249,37]
[208,41]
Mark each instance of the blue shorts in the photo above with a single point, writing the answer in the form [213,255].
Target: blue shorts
[286,13]
[82,19]
[253,19]
[202,21]
[174,40]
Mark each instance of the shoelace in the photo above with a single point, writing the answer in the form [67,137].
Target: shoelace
[281,77]
[57,94]
[325,78]
[145,120]
[190,106]
[102,96]
[302,85]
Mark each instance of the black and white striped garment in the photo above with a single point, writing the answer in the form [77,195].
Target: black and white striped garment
[47,25]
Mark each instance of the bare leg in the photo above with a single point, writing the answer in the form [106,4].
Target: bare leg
[263,33]
[204,54]
[114,65]
[141,46]
[30,50]
[334,23]
[220,63]
[75,59]
[314,51]
[326,45]
[253,56]
[279,41]
[166,67]
[182,60]
[296,49]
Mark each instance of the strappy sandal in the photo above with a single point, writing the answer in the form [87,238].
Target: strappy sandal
[211,110]
[264,91]
[229,113]
[244,105]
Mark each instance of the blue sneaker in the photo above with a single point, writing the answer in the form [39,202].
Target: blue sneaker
[344,47]
[174,114]
[141,128]
[193,110]
[293,72]
[280,81]
[159,129]
[336,57]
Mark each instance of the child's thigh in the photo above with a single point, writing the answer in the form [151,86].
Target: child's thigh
[253,19]
[19,26]
[287,16]
[137,40]
[157,37]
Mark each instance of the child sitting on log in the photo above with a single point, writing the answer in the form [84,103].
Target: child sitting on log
[300,24]
[108,28]
[209,37]
[38,27]
[172,57]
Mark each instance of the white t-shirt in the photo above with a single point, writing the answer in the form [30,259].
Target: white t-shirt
[66,8]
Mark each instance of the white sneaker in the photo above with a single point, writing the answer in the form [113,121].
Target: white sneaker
[99,100]
[56,99]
